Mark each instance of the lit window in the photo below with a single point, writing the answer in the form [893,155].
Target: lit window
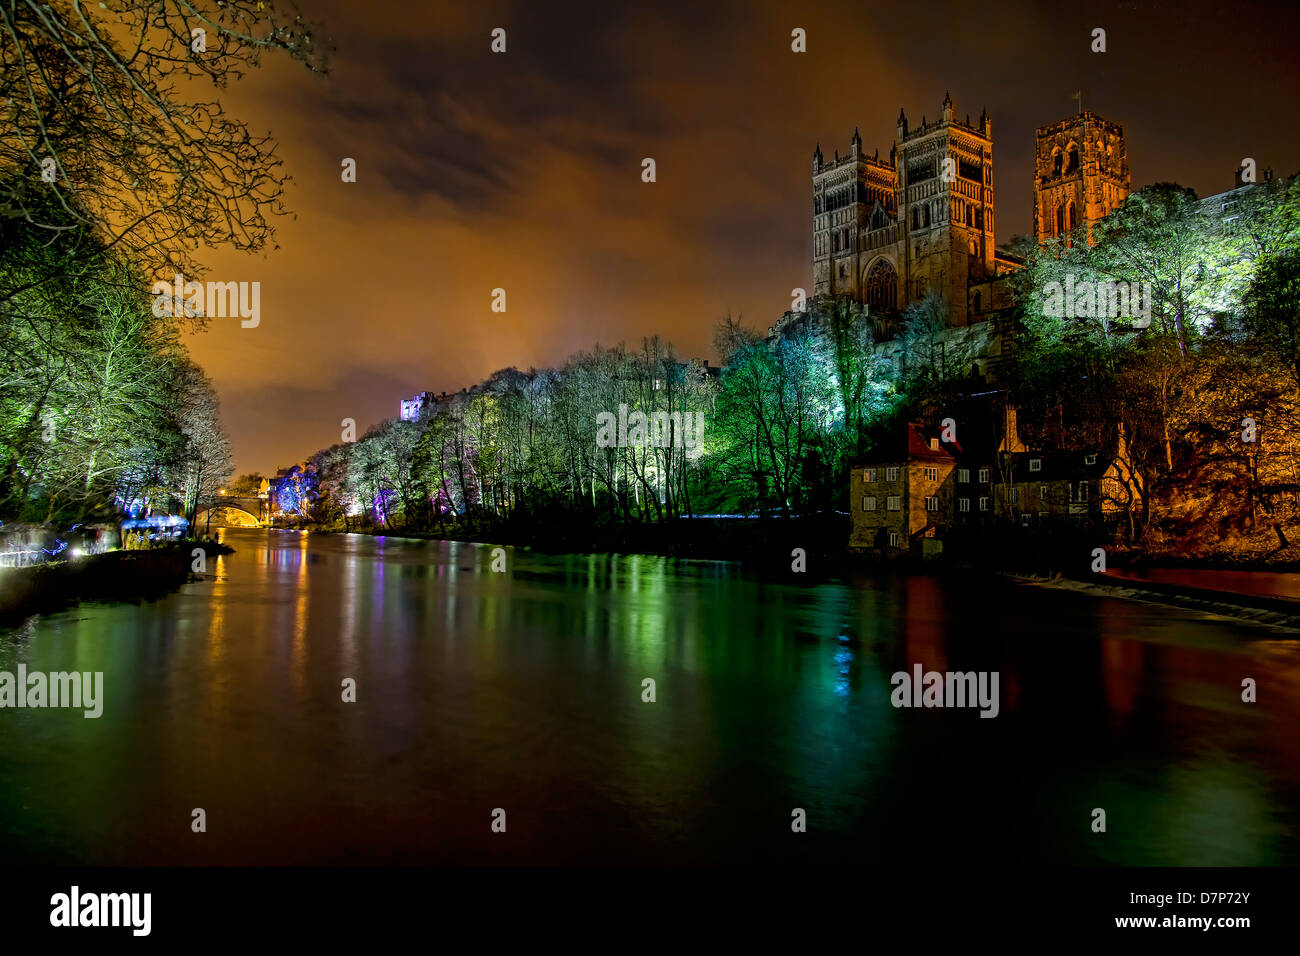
[1025,519]
[963,504]
[963,475]
[892,503]
[984,504]
[1090,459]
[891,474]
[868,503]
[1035,464]
[1042,492]
[1083,491]
[1015,496]
[984,476]
[932,504]
[869,475]
[893,539]
[931,474]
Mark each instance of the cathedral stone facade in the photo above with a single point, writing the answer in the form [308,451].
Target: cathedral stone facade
[1080,174]
[887,231]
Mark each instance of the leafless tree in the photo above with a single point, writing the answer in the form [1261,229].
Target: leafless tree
[97,109]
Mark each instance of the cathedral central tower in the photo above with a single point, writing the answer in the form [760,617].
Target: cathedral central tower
[1080,174]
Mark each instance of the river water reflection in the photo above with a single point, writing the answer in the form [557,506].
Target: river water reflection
[523,691]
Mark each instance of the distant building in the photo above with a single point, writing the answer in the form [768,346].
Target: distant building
[411,407]
[887,231]
[1081,174]
[909,494]
[703,367]
[1226,206]
[902,493]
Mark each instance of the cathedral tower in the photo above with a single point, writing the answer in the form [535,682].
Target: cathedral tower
[1080,174]
[945,188]
[886,232]
[854,197]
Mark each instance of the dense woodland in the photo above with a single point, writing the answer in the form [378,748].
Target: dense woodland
[1205,393]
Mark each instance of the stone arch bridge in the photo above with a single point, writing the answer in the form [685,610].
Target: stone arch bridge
[238,511]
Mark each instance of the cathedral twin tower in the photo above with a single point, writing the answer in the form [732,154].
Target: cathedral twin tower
[886,232]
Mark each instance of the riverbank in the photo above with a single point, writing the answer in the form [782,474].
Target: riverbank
[766,544]
[1249,608]
[135,575]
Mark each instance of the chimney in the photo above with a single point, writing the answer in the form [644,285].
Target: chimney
[1011,441]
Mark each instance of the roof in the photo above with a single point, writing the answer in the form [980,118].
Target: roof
[913,443]
[1058,466]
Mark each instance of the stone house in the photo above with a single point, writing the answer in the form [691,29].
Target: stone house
[914,490]
[902,494]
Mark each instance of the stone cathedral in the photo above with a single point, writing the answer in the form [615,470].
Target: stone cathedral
[887,231]
[1080,174]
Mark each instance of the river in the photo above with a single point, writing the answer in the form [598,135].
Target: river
[522,691]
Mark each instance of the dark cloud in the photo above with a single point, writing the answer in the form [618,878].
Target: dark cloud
[522,171]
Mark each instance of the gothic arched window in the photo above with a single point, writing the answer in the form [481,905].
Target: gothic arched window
[882,285]
[1056,162]
[1073,217]
[1060,220]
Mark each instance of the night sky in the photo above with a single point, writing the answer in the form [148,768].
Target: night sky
[523,170]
